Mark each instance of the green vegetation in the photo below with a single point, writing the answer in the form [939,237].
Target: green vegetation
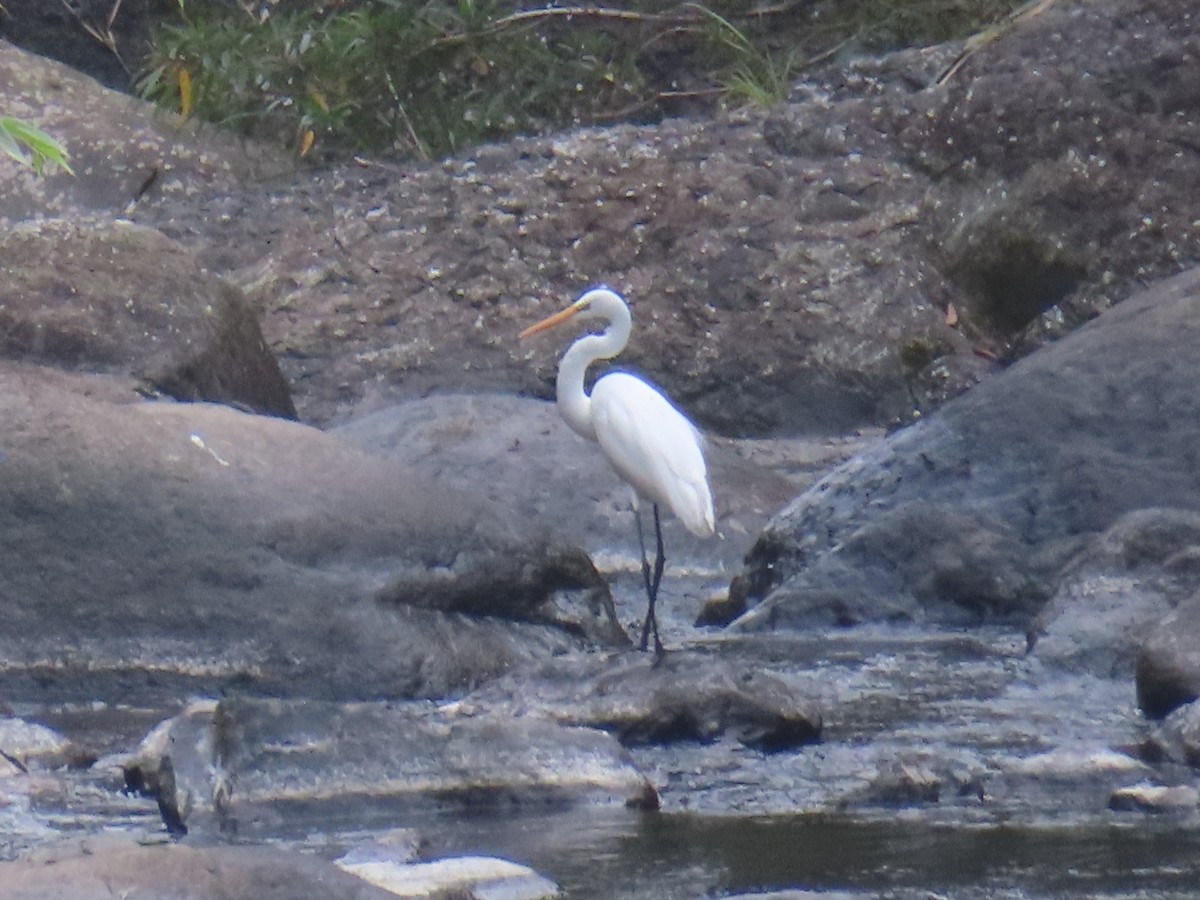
[430,77]
[31,146]
[878,25]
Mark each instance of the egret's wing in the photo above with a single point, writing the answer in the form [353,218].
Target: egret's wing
[654,447]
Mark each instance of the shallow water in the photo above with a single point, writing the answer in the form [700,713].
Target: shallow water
[1025,760]
[685,855]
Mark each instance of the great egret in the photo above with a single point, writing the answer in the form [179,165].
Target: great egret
[650,443]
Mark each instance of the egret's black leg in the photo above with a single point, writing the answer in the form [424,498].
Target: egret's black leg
[646,577]
[652,579]
[660,562]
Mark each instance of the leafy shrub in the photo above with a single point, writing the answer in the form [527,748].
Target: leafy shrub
[430,77]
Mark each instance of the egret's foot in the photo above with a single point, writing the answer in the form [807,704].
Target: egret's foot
[660,654]
[650,627]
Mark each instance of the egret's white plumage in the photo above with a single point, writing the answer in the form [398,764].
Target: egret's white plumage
[650,443]
[653,448]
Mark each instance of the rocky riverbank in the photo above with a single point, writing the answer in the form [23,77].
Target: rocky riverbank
[294,553]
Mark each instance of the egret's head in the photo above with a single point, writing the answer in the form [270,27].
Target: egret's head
[596,303]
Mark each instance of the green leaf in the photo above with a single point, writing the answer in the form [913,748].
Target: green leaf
[31,146]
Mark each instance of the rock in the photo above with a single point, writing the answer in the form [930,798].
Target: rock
[24,742]
[230,548]
[469,877]
[684,696]
[810,269]
[1076,763]
[122,299]
[1177,737]
[519,452]
[971,514]
[242,766]
[1112,596]
[1155,798]
[852,257]
[122,151]
[1049,207]
[1071,776]
[106,867]
[904,783]
[1168,663]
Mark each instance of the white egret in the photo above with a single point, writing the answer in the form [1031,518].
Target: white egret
[650,443]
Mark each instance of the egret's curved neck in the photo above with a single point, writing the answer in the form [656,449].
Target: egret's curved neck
[573,402]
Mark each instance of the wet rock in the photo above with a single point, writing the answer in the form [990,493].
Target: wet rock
[106,867]
[122,299]
[904,783]
[1177,737]
[915,778]
[1113,595]
[1155,798]
[682,696]
[1070,776]
[1072,763]
[468,877]
[245,767]
[22,743]
[971,514]
[725,606]
[1168,663]
[231,548]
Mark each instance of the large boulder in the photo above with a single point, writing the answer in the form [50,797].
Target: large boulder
[518,451]
[860,253]
[866,250]
[120,298]
[970,514]
[178,547]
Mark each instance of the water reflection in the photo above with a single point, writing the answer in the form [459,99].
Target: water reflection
[633,856]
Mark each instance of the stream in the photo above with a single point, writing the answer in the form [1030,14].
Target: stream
[1011,764]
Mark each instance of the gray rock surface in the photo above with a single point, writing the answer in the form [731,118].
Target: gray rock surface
[971,514]
[519,453]
[120,298]
[120,149]
[1113,595]
[1177,737]
[118,867]
[685,695]
[160,545]
[1168,661]
[241,767]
